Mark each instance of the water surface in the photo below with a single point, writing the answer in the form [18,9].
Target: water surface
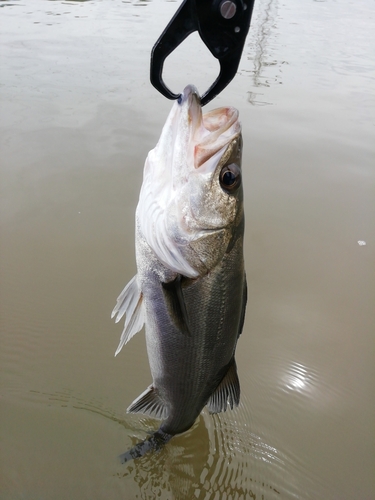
[78,116]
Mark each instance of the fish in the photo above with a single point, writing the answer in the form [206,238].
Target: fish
[190,289]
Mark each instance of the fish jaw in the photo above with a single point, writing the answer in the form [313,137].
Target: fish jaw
[180,202]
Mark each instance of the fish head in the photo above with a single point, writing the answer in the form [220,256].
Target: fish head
[191,201]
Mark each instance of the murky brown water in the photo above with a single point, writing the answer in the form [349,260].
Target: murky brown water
[78,116]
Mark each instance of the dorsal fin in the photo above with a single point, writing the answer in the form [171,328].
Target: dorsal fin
[129,302]
[228,391]
[149,403]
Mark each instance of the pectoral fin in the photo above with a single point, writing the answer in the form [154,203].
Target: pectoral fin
[176,304]
[149,403]
[244,302]
[129,302]
[228,391]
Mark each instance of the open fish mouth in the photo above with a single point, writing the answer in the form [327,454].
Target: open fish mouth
[209,132]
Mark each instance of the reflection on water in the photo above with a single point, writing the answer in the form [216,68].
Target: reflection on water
[214,459]
[299,378]
[211,460]
[263,36]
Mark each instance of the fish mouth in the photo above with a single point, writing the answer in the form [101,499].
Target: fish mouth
[210,132]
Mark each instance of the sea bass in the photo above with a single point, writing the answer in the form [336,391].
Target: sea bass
[190,286]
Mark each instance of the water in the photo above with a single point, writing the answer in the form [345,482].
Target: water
[78,116]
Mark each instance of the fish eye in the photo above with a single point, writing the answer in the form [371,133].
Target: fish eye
[230,177]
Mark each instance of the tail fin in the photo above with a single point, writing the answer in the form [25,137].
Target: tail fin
[154,443]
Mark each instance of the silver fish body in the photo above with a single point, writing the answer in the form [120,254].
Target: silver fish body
[190,287]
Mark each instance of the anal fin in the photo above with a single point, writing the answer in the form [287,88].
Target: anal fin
[149,403]
[227,392]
